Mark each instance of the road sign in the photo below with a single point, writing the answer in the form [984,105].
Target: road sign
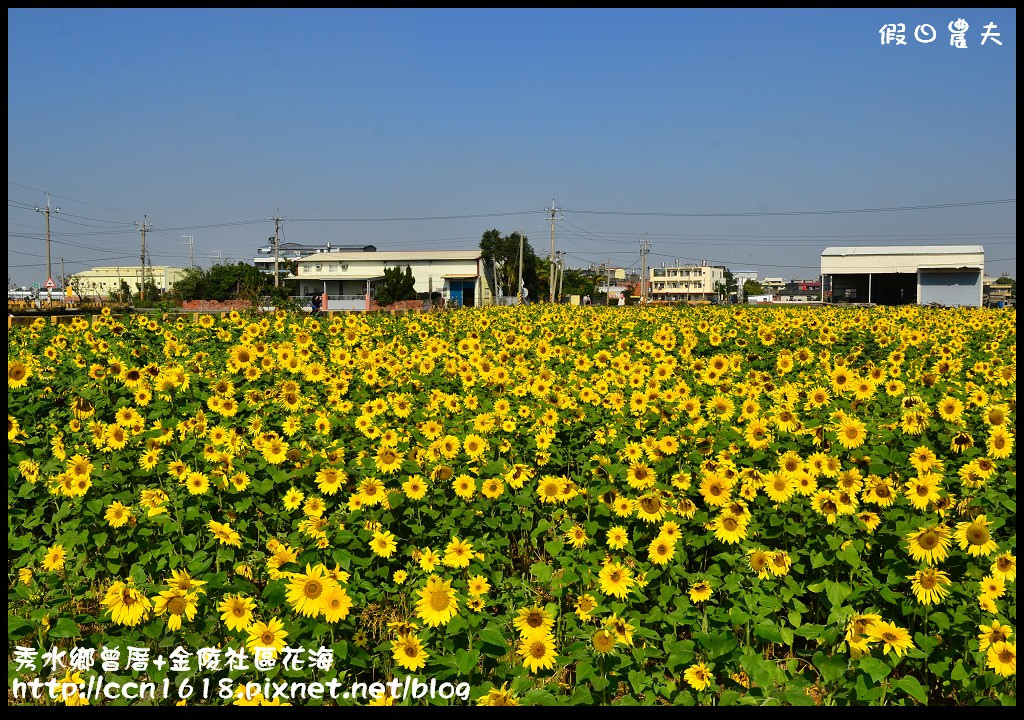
[50,284]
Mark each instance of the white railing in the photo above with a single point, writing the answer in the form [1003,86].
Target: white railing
[346,302]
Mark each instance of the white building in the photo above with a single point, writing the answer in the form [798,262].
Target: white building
[348,278]
[287,252]
[686,283]
[900,275]
[101,281]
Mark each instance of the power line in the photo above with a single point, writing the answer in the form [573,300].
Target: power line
[798,212]
[426,217]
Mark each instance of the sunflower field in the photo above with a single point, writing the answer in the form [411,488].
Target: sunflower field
[555,505]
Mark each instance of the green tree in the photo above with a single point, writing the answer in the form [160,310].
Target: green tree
[731,285]
[503,252]
[752,287]
[152,294]
[223,282]
[76,286]
[577,282]
[192,285]
[123,294]
[395,286]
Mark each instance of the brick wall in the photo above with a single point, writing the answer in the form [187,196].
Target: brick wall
[216,304]
[401,305]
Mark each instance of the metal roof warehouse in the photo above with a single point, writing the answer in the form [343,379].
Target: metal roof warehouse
[900,275]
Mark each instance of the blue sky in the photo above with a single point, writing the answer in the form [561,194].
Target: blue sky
[690,126]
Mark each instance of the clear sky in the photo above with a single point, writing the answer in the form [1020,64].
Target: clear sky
[722,135]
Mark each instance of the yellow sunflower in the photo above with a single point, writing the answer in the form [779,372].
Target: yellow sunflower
[438,603]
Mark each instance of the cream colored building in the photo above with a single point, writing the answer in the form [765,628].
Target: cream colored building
[346,277]
[949,275]
[105,280]
[686,282]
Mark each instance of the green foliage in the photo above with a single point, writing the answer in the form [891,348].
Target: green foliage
[779,634]
[577,282]
[753,287]
[504,251]
[224,282]
[731,286]
[395,286]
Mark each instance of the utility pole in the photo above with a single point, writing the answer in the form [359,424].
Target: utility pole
[143,227]
[49,274]
[607,294]
[63,279]
[277,226]
[645,247]
[190,240]
[561,273]
[608,283]
[519,289]
[551,280]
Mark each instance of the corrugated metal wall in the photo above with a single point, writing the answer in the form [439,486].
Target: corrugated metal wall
[837,265]
[950,288]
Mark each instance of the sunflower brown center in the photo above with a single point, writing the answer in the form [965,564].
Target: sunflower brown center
[977,535]
[439,600]
[650,505]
